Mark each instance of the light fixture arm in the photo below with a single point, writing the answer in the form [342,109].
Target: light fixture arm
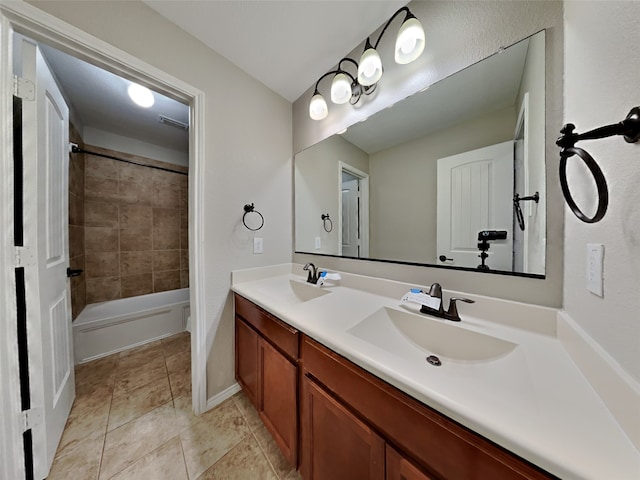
[384,29]
[338,70]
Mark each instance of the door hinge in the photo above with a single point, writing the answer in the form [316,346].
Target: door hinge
[31,418]
[24,257]
[24,89]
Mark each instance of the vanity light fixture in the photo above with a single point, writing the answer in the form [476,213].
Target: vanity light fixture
[140,95]
[345,87]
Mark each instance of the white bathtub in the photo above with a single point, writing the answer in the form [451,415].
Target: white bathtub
[110,327]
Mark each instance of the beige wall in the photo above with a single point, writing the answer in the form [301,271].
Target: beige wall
[404,185]
[461,33]
[135,226]
[533,84]
[247,141]
[317,179]
[601,86]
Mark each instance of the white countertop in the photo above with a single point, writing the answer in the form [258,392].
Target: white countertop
[533,401]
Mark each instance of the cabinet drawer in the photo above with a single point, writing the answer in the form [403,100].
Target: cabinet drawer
[440,445]
[284,337]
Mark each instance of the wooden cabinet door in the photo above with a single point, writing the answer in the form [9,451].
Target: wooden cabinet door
[335,444]
[399,468]
[277,401]
[247,360]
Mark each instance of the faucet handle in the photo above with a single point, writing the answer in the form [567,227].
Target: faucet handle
[452,312]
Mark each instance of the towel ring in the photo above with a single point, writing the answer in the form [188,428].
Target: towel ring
[325,218]
[598,176]
[629,128]
[251,209]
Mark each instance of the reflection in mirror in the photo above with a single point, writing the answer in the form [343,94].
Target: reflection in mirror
[424,181]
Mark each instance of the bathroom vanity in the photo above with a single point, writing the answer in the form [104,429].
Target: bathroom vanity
[340,379]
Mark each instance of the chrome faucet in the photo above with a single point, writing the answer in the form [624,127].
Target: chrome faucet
[312,277]
[451,313]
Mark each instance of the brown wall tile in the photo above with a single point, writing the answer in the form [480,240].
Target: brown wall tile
[184,278]
[166,260]
[102,264]
[135,216]
[100,214]
[132,239]
[101,167]
[136,192]
[184,259]
[170,179]
[103,289]
[100,189]
[132,263]
[184,238]
[101,239]
[76,240]
[166,218]
[166,196]
[134,285]
[136,173]
[166,238]
[163,281]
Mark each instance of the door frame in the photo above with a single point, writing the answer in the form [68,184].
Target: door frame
[522,128]
[40,26]
[364,211]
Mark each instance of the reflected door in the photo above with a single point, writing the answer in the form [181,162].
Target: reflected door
[46,168]
[475,192]
[350,215]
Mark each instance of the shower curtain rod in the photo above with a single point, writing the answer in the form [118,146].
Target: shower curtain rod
[76,149]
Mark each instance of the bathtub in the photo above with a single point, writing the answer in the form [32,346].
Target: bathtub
[105,328]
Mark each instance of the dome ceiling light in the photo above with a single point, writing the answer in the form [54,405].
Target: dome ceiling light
[346,87]
[140,95]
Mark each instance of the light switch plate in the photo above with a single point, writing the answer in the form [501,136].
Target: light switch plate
[257,245]
[318,243]
[595,267]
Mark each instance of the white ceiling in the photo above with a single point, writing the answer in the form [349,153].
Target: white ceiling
[285,44]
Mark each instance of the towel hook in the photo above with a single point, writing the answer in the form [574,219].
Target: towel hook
[251,209]
[629,128]
[516,206]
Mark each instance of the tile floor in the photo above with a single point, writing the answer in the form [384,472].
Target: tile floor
[132,419]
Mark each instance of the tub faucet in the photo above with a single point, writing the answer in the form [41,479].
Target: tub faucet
[451,313]
[312,277]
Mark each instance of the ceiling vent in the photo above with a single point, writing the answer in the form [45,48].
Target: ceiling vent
[172,122]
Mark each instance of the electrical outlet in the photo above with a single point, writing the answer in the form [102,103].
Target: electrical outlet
[257,245]
[595,266]
[318,243]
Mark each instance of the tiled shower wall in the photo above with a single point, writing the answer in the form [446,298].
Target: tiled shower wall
[135,227]
[76,224]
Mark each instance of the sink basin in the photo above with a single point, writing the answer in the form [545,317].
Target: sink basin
[391,329]
[292,291]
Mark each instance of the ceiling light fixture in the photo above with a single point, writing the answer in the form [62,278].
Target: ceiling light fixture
[345,87]
[141,96]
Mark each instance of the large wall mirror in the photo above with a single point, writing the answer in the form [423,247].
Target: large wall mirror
[417,182]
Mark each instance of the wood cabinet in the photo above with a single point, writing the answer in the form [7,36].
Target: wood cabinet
[352,424]
[335,444]
[267,370]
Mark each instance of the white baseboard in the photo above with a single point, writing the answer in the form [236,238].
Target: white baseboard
[222,396]
[619,392]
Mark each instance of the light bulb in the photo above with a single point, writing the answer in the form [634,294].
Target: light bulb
[340,89]
[370,68]
[410,41]
[141,96]
[318,107]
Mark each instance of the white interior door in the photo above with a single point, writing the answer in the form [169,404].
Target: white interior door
[350,216]
[46,166]
[475,192]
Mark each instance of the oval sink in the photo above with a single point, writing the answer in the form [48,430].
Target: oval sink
[433,336]
[291,291]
